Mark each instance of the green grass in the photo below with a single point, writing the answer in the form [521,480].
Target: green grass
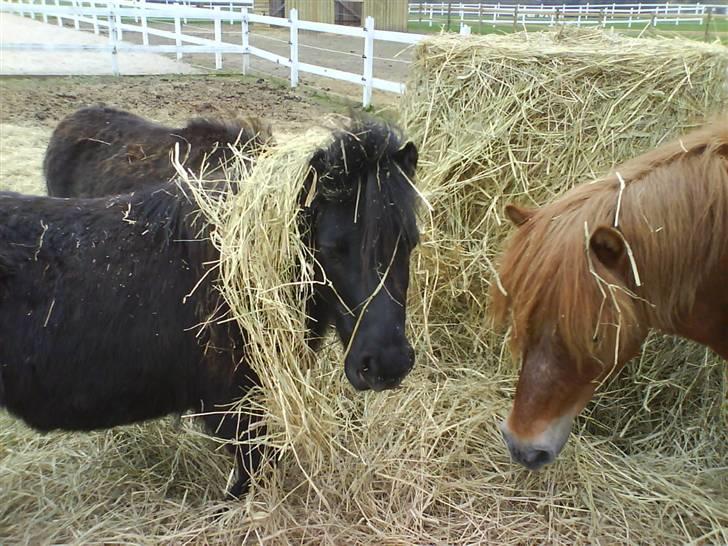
[718,28]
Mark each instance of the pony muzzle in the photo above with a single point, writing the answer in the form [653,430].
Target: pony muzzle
[536,452]
[380,368]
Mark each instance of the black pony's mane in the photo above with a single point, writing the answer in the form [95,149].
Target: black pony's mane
[361,165]
[252,132]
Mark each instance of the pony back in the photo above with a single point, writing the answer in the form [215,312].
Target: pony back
[101,151]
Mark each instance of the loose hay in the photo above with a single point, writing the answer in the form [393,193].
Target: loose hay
[496,118]
[21,158]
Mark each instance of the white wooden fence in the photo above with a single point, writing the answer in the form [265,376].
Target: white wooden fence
[120,16]
[597,13]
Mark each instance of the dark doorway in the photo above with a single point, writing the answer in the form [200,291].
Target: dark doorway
[347,13]
[277,8]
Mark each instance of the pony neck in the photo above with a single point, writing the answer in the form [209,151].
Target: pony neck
[675,219]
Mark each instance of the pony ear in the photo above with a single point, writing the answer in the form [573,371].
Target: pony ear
[318,161]
[519,215]
[407,157]
[608,246]
[317,170]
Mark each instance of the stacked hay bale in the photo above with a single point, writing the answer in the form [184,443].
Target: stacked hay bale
[523,118]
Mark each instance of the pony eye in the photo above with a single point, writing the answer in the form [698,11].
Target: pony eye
[336,250]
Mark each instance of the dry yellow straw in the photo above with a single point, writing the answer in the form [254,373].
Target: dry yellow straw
[495,118]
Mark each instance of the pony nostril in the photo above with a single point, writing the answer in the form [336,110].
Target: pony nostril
[366,363]
[536,458]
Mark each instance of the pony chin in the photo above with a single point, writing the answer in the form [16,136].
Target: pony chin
[542,449]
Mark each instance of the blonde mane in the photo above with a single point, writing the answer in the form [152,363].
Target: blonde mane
[672,206]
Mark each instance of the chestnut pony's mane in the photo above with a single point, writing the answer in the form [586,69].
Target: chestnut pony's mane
[673,214]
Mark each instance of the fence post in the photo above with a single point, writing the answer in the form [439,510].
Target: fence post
[706,22]
[293,42]
[113,40]
[465,30]
[480,18]
[677,19]
[245,32]
[119,33]
[74,5]
[95,17]
[432,15]
[515,17]
[368,61]
[145,28]
[177,31]
[232,21]
[419,13]
[629,22]
[59,19]
[218,36]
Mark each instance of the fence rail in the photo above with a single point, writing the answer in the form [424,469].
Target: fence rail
[119,16]
[597,13]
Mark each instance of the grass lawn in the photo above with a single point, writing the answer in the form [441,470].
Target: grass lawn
[717,29]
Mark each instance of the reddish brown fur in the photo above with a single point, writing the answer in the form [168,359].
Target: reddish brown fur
[673,215]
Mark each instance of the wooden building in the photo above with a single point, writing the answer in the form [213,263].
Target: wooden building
[388,14]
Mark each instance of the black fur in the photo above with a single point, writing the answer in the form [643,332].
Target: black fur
[99,322]
[99,151]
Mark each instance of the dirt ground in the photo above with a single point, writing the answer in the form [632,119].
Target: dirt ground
[31,107]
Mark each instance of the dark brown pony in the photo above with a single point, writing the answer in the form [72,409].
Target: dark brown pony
[100,151]
[585,278]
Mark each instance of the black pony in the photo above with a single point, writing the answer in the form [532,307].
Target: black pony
[102,151]
[101,299]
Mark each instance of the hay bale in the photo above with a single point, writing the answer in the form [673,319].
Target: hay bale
[525,117]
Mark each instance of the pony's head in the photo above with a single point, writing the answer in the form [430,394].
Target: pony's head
[579,295]
[567,295]
[360,205]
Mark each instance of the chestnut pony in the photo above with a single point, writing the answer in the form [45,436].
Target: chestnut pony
[584,279]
